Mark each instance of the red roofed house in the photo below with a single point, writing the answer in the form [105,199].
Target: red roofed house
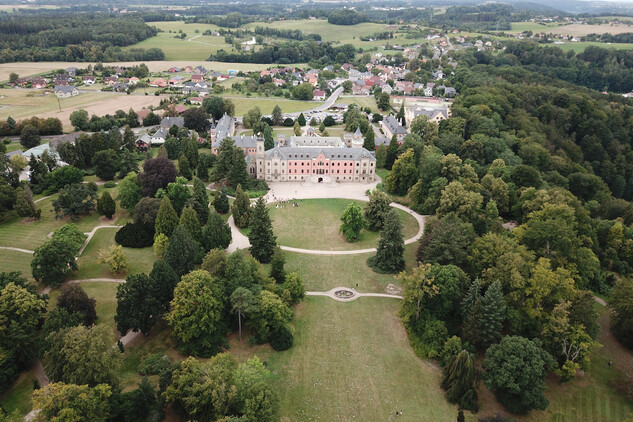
[195,100]
[180,109]
[142,114]
[160,82]
[318,95]
[197,78]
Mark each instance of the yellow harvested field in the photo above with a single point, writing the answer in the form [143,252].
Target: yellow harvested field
[33,68]
[21,103]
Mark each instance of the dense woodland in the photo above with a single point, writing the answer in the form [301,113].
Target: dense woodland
[73,37]
[290,52]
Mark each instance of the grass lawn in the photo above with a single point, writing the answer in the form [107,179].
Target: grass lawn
[364,101]
[266,105]
[322,273]
[15,261]
[315,225]
[18,398]
[105,294]
[352,361]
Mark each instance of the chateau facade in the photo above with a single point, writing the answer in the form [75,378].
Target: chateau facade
[316,164]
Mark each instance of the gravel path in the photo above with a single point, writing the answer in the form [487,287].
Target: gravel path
[92,233]
[9,248]
[331,295]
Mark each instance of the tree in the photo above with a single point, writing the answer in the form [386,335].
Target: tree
[515,373]
[255,396]
[196,315]
[400,115]
[127,163]
[13,77]
[383,101]
[166,219]
[621,304]
[392,152]
[301,119]
[130,192]
[292,290]
[25,206]
[381,156]
[353,222]
[73,299]
[389,256]
[251,117]
[163,281]
[152,119]
[214,106]
[376,210]
[189,147]
[242,301]
[241,208]
[53,262]
[183,167]
[58,319]
[183,252]
[178,192]
[403,175]
[30,136]
[106,164]
[277,117]
[200,194]
[71,402]
[277,266]
[157,173]
[137,307]
[214,262]
[464,203]
[114,258]
[79,119]
[189,220]
[172,145]
[221,203]
[261,237]
[296,128]
[419,288]
[369,143]
[81,355]
[461,380]
[21,313]
[216,234]
[304,91]
[196,119]
[106,205]
[493,313]
[271,312]
[446,241]
[75,200]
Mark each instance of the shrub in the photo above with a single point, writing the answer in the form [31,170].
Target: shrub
[109,184]
[288,122]
[154,364]
[281,339]
[134,235]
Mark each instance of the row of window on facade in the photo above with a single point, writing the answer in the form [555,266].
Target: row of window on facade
[315,171]
[321,163]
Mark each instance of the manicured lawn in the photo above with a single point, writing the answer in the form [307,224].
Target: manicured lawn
[352,361]
[315,225]
[362,102]
[266,105]
[322,273]
[15,261]
[105,294]
[18,398]
[139,259]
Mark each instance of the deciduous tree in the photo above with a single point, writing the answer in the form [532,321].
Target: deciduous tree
[353,222]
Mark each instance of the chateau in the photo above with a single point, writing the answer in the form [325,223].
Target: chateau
[314,159]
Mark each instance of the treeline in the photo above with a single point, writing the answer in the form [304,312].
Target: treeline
[597,68]
[487,17]
[346,17]
[74,37]
[291,52]
[626,37]
[292,34]
[49,126]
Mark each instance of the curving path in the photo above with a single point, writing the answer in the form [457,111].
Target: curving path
[9,248]
[92,233]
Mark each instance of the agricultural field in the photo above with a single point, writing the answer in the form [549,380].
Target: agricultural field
[579,47]
[22,103]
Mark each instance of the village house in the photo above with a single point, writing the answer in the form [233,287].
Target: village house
[434,114]
[38,83]
[220,130]
[143,142]
[168,122]
[159,137]
[88,80]
[65,91]
[318,95]
[195,100]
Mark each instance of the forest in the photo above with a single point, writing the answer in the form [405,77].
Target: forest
[289,52]
[73,37]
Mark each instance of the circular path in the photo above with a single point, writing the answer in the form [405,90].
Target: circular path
[292,190]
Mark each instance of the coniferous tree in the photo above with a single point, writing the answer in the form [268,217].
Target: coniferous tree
[216,234]
[301,119]
[369,143]
[202,197]
[381,156]
[277,266]
[297,128]
[25,206]
[184,169]
[106,205]
[277,117]
[493,313]
[183,253]
[400,116]
[189,220]
[389,257]
[461,380]
[237,173]
[221,203]
[261,237]
[392,152]
[166,219]
[241,208]
[471,312]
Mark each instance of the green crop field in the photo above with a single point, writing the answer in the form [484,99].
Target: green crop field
[532,26]
[579,47]
[319,220]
